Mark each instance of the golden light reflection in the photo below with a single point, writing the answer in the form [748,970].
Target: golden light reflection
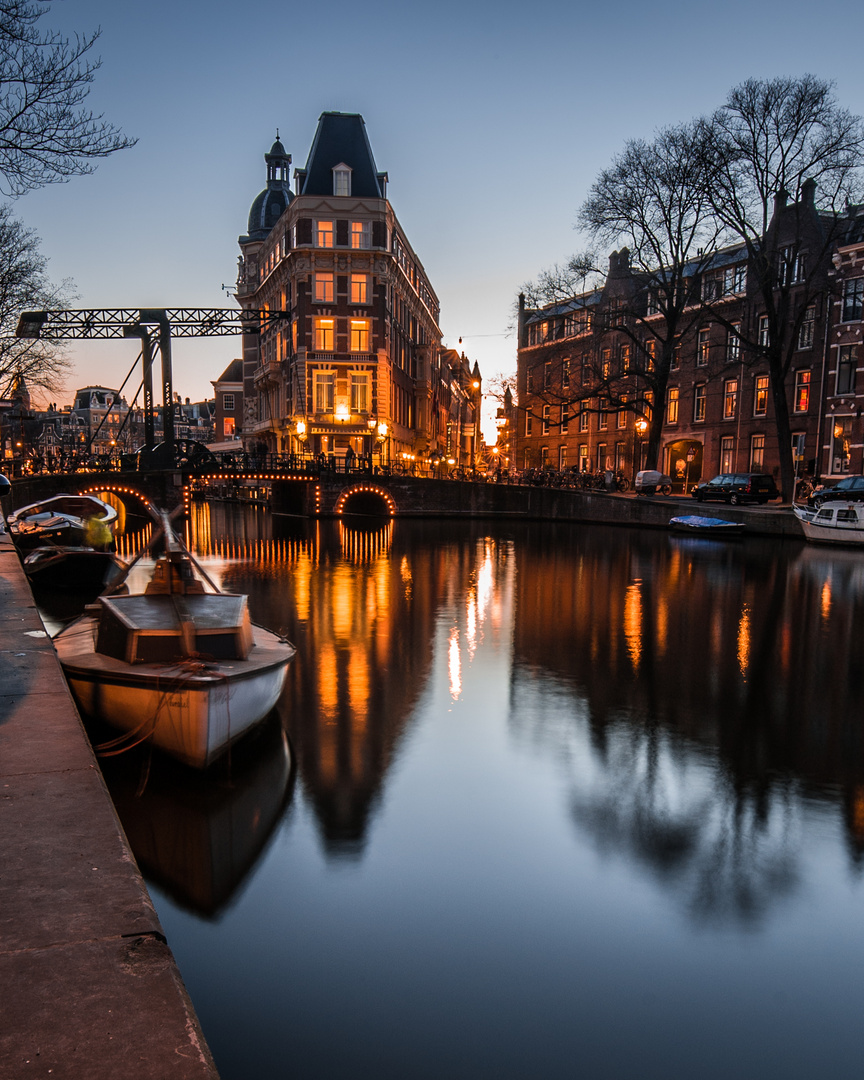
[826,599]
[328,690]
[633,622]
[662,627]
[342,603]
[744,640]
[454,665]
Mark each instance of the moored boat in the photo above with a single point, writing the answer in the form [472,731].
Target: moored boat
[177,665]
[833,523]
[73,569]
[71,520]
[706,526]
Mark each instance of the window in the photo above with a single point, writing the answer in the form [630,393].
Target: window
[650,347]
[324,234]
[602,418]
[544,457]
[606,363]
[565,375]
[565,419]
[733,343]
[853,299]
[676,358]
[792,267]
[712,286]
[699,403]
[764,332]
[703,347]
[530,379]
[602,458]
[361,234]
[562,458]
[529,423]
[625,357]
[622,417]
[546,409]
[757,453]
[324,335]
[734,278]
[727,445]
[802,391]
[324,391]
[653,306]
[359,393]
[583,418]
[583,458]
[547,374]
[341,180]
[672,405]
[846,364]
[359,339]
[359,289]
[620,456]
[730,398]
[323,288]
[228,427]
[840,445]
[805,331]
[228,403]
[760,395]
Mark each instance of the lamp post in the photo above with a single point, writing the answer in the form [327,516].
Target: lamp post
[641,428]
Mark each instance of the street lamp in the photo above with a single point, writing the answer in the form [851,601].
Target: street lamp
[641,428]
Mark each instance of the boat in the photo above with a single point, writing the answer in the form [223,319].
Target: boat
[71,520]
[706,526]
[832,523]
[73,569]
[177,665]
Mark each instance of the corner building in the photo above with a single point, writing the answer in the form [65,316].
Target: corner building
[357,363]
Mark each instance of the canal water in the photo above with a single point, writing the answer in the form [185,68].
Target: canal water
[539,801]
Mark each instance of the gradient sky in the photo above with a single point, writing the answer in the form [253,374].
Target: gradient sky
[491,120]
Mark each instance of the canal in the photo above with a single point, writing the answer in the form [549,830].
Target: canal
[559,801]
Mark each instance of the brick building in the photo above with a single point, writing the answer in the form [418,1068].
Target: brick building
[584,364]
[358,362]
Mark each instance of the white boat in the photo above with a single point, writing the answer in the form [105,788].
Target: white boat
[63,519]
[177,665]
[833,523]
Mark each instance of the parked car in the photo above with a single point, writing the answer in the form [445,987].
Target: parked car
[649,482]
[737,488]
[849,489]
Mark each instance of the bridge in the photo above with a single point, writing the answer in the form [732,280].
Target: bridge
[327,493]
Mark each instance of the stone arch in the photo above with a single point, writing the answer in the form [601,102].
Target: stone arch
[366,499]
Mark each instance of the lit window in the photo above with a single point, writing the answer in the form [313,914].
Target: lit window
[359,289]
[606,363]
[802,391]
[324,335]
[727,448]
[324,288]
[625,357]
[228,427]
[324,234]
[760,396]
[359,335]
[730,398]
[359,393]
[361,234]
[672,405]
[324,391]
[703,347]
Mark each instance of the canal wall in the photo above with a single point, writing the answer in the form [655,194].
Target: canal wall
[90,987]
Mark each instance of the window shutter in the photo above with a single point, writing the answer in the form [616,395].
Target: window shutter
[304,232]
[342,234]
[379,234]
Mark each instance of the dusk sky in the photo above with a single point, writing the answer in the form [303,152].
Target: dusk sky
[491,120]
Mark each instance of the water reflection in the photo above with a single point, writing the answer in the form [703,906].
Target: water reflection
[665,648]
[199,836]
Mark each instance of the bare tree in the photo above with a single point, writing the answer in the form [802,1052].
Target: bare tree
[47,134]
[653,198]
[777,142]
[24,284]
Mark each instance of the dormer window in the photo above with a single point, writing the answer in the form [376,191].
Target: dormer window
[342,179]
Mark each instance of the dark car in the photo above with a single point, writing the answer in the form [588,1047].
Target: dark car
[849,489]
[737,488]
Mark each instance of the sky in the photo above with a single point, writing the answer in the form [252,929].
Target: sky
[492,121]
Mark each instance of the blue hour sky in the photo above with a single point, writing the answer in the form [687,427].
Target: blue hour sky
[491,120]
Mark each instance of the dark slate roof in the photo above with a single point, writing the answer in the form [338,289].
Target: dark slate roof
[232,373]
[341,137]
[565,307]
[268,207]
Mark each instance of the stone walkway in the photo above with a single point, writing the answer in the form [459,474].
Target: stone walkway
[90,987]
